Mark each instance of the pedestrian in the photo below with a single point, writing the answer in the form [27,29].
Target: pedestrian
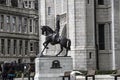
[4,75]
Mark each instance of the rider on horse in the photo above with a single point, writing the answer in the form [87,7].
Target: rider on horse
[56,34]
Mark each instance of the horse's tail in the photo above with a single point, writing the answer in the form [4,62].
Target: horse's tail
[69,44]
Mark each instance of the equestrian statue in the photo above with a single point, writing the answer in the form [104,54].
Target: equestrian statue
[53,38]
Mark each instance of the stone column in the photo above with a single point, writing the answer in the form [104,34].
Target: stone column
[113,35]
[71,25]
[42,21]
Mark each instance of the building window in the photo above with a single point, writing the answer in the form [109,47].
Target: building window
[3,2]
[25,25]
[30,4]
[26,47]
[36,26]
[8,22]
[31,25]
[14,23]
[25,4]
[20,45]
[31,46]
[36,4]
[101,37]
[100,2]
[15,47]
[20,24]
[88,1]
[9,46]
[49,10]
[2,22]
[2,46]
[14,3]
[90,55]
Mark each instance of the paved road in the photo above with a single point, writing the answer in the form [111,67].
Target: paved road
[22,79]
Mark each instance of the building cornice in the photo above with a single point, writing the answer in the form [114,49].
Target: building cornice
[17,11]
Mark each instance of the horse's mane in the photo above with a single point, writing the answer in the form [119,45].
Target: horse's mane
[48,28]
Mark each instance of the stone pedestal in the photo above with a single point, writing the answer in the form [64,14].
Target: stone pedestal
[52,68]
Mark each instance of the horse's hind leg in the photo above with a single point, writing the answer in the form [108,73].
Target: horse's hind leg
[66,53]
[60,51]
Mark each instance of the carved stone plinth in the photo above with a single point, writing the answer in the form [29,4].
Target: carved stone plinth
[52,68]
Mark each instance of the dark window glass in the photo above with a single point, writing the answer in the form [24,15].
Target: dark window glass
[2,22]
[49,10]
[88,1]
[36,4]
[26,47]
[101,2]
[90,55]
[31,46]
[25,25]
[14,3]
[2,46]
[20,45]
[15,47]
[31,29]
[9,46]
[2,1]
[101,37]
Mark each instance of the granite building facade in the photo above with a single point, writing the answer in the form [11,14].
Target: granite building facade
[92,26]
[19,36]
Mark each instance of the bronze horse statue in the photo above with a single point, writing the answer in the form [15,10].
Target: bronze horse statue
[53,38]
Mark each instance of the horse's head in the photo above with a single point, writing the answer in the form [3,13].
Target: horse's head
[43,30]
[46,30]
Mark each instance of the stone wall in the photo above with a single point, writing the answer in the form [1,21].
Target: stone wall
[98,77]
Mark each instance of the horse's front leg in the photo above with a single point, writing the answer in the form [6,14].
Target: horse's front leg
[45,44]
[60,51]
